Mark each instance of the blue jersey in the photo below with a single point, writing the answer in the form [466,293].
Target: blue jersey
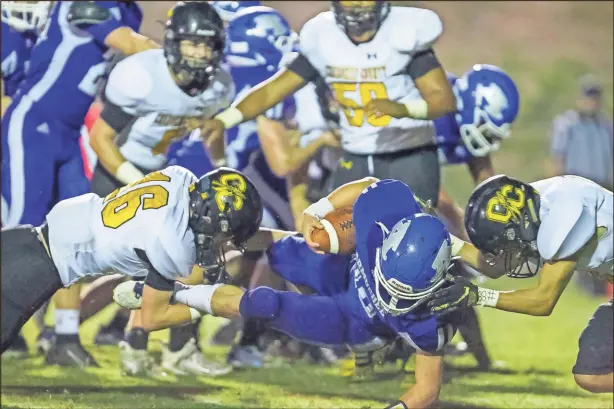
[67,61]
[344,308]
[16,47]
[424,333]
[451,148]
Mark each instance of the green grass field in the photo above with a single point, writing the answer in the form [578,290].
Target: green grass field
[539,352]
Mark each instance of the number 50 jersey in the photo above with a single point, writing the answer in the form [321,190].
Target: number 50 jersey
[142,87]
[138,227]
[358,73]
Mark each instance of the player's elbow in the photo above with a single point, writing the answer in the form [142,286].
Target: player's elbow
[282,166]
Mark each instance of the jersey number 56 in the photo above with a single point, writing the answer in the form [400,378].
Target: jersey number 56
[123,204]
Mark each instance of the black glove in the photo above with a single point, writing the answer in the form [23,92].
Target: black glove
[461,294]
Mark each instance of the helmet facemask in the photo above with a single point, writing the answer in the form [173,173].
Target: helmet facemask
[25,15]
[194,60]
[360,19]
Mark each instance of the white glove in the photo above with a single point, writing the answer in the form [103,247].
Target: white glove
[128,294]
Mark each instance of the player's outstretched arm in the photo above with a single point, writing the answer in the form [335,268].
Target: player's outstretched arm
[263,239]
[429,377]
[129,42]
[282,156]
[262,97]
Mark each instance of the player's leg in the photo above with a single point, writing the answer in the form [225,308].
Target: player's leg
[350,167]
[27,174]
[183,355]
[594,366]
[29,278]
[418,168]
[71,182]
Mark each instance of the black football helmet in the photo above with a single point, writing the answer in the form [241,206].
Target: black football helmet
[195,21]
[359,17]
[502,220]
[225,207]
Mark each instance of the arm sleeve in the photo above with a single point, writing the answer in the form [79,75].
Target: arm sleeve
[421,63]
[303,68]
[116,117]
[98,18]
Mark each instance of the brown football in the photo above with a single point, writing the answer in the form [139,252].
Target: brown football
[340,225]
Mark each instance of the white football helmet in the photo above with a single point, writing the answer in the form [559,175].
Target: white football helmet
[25,15]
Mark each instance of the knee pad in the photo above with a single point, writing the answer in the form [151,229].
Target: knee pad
[261,302]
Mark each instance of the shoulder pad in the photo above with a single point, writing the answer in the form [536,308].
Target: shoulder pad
[565,229]
[308,37]
[180,173]
[86,13]
[426,27]
[129,81]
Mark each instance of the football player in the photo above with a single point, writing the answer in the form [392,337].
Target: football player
[152,99]
[487,103]
[364,300]
[553,227]
[21,24]
[40,129]
[158,227]
[228,9]
[363,50]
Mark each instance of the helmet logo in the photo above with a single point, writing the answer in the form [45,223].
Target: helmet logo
[230,188]
[392,241]
[493,98]
[507,203]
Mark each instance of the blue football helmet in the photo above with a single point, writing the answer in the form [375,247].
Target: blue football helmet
[487,103]
[228,9]
[259,36]
[412,263]
[25,15]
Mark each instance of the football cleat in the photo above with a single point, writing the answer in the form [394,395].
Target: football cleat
[246,357]
[128,294]
[135,362]
[190,360]
[70,354]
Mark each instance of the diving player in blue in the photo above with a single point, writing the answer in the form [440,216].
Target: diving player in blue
[41,158]
[21,23]
[365,300]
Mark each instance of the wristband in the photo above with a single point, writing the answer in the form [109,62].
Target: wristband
[195,314]
[332,235]
[230,117]
[320,208]
[220,162]
[128,173]
[487,297]
[397,405]
[457,245]
[417,109]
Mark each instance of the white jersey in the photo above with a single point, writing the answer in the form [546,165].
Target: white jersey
[142,86]
[359,73]
[90,235]
[576,215]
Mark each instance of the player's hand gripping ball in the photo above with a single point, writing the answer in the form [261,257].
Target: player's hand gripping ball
[337,237]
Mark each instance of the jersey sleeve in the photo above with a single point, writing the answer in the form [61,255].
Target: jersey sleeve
[566,228]
[98,18]
[429,335]
[426,29]
[128,84]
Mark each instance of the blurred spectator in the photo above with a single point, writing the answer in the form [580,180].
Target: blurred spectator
[582,145]
[582,138]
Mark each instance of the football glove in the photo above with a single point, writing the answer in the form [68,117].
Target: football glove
[461,294]
[128,294]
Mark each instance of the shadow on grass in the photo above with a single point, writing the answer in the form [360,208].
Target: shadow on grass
[536,388]
[176,392]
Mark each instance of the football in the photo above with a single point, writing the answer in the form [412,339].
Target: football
[338,234]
